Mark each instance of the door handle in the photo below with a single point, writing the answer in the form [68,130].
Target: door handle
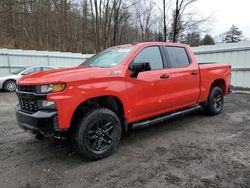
[194,73]
[164,76]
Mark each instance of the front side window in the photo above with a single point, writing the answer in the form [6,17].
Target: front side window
[109,58]
[151,55]
[178,56]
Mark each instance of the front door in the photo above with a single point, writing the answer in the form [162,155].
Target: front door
[146,92]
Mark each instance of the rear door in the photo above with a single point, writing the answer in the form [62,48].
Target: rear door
[184,78]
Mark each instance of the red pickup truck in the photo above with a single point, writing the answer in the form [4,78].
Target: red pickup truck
[127,86]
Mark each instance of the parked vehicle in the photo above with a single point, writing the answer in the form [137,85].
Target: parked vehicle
[123,87]
[8,82]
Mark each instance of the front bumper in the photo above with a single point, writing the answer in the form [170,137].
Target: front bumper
[41,122]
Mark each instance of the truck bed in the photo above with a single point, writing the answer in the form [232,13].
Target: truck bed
[210,72]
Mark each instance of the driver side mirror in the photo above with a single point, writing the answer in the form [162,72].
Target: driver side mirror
[136,68]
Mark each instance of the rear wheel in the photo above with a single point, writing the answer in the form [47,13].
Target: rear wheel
[97,133]
[9,85]
[215,102]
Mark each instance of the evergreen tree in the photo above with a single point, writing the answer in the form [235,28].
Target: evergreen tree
[207,40]
[233,35]
[192,39]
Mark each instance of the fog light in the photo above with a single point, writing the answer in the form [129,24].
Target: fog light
[45,104]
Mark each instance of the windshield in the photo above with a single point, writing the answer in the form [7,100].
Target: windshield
[109,58]
[18,71]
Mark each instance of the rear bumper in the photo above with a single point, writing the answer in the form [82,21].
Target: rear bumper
[40,122]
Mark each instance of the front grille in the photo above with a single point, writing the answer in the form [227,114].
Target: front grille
[28,104]
[26,88]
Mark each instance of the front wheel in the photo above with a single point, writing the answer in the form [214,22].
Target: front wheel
[9,85]
[215,102]
[97,133]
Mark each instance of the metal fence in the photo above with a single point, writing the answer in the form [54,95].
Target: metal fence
[236,54]
[11,59]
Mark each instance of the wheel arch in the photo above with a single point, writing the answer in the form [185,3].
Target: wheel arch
[10,79]
[216,83]
[219,83]
[107,101]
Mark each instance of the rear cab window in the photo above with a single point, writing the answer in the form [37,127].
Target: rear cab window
[178,56]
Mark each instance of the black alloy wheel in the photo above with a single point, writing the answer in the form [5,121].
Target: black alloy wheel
[97,133]
[215,101]
[100,135]
[218,101]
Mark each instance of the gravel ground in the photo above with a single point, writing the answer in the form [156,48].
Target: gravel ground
[191,151]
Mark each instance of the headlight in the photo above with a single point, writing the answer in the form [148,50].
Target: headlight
[45,104]
[52,88]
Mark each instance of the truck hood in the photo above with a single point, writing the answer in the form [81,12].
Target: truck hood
[60,75]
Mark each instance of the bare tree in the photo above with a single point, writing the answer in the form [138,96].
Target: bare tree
[177,13]
[184,22]
[86,26]
[164,21]
[166,7]
[145,19]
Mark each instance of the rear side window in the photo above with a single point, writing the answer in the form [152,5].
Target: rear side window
[151,55]
[178,56]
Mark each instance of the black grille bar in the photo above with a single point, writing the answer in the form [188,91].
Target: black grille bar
[28,98]
[26,88]
[28,104]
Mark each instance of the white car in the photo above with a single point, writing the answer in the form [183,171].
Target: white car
[8,83]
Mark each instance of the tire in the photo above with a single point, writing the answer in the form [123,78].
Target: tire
[215,102]
[9,86]
[97,134]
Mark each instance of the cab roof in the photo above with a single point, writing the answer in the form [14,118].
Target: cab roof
[141,44]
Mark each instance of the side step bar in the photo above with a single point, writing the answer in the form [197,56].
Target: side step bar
[166,117]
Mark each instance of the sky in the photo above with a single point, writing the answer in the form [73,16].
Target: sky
[225,14]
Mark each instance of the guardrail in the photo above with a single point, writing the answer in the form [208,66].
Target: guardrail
[11,59]
[236,54]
